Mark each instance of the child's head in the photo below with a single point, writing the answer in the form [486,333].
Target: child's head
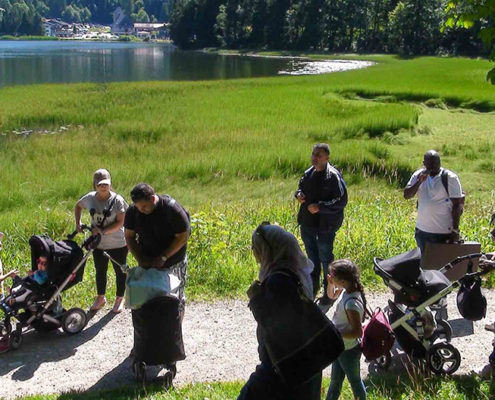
[42,263]
[345,274]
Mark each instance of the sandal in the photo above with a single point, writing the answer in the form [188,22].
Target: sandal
[98,304]
[118,306]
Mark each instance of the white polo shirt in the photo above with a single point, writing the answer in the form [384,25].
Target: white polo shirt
[434,204]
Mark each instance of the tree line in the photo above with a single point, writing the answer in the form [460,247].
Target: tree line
[390,26]
[25,17]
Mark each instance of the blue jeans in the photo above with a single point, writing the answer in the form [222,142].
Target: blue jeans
[426,237]
[347,365]
[319,248]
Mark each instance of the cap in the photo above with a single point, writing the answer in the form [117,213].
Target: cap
[101,177]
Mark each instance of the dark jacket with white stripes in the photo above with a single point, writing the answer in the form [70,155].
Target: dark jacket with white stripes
[327,189]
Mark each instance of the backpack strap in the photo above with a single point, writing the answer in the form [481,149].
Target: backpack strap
[365,312]
[107,213]
[445,180]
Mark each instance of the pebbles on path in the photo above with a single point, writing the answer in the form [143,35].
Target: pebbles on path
[220,343]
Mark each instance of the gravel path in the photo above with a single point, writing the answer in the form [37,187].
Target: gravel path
[220,345]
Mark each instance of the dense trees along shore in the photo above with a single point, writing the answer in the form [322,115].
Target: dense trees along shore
[406,27]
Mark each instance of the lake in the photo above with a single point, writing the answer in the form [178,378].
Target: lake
[30,62]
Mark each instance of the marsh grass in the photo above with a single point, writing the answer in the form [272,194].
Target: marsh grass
[232,153]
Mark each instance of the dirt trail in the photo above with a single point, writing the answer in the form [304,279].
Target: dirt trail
[220,344]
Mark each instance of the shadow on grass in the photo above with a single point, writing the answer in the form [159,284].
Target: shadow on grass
[125,392]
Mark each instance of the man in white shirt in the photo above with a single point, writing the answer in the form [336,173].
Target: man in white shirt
[440,202]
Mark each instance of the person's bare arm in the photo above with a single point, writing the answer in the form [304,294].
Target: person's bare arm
[179,241]
[135,249]
[77,215]
[355,330]
[114,227]
[456,217]
[411,190]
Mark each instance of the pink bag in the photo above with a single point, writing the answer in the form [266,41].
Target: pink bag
[378,336]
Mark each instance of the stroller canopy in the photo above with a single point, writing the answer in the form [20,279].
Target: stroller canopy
[405,267]
[63,256]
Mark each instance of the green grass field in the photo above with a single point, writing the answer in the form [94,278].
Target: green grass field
[232,153]
[379,388]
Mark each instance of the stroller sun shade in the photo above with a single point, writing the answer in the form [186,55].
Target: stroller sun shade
[404,267]
[63,256]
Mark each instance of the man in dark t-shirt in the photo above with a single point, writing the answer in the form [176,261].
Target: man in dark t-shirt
[156,228]
[156,231]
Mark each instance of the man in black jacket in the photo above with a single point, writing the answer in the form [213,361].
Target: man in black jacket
[322,194]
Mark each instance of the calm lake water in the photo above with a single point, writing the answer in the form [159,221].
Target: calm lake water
[28,62]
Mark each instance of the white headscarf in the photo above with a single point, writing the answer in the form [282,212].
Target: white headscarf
[279,249]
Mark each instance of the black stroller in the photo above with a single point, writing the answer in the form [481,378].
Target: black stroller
[157,334]
[41,306]
[417,293]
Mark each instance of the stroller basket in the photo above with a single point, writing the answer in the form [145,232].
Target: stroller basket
[63,256]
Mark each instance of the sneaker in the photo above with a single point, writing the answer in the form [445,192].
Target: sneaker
[490,327]
[98,304]
[118,306]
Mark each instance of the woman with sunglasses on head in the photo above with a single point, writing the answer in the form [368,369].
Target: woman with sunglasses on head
[344,286]
[107,210]
[278,303]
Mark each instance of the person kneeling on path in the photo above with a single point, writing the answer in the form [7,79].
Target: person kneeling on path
[322,195]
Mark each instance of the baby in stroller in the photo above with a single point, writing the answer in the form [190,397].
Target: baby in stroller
[23,287]
[34,302]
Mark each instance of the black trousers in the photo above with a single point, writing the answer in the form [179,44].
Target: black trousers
[101,265]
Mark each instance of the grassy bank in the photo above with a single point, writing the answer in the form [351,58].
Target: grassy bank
[232,152]
[379,388]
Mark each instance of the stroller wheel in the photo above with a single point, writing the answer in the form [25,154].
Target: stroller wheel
[74,321]
[15,340]
[443,331]
[443,358]
[139,370]
[384,361]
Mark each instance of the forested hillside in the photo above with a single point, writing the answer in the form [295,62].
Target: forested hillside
[25,16]
[406,26]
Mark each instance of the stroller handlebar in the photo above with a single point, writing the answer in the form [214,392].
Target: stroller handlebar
[91,242]
[72,235]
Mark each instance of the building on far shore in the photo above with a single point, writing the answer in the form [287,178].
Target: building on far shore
[151,30]
[59,28]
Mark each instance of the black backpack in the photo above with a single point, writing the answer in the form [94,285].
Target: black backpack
[470,301]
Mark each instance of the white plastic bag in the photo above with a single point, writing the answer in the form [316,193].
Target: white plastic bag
[143,285]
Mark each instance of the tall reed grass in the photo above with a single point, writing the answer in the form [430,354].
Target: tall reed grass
[232,152]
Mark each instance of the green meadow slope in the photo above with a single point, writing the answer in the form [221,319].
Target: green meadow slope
[232,152]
